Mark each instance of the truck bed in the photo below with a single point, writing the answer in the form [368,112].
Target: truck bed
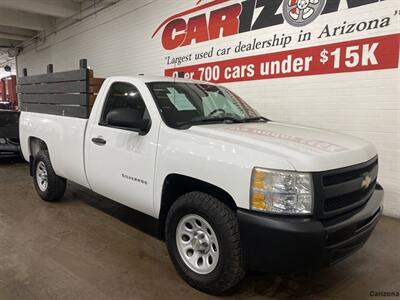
[65,138]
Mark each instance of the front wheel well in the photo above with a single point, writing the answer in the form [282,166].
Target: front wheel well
[176,185]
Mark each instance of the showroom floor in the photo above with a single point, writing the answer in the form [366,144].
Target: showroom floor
[86,247]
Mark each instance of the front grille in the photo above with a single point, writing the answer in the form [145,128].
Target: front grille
[348,199]
[343,190]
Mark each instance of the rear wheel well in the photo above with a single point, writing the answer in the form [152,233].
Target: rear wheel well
[176,185]
[36,145]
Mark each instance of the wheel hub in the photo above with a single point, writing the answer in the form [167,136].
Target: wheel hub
[303,4]
[197,244]
[41,176]
[201,242]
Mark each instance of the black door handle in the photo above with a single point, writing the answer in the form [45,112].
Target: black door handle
[99,141]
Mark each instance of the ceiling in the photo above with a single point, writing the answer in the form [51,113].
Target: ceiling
[23,20]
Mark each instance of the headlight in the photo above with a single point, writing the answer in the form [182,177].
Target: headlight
[281,192]
[3,141]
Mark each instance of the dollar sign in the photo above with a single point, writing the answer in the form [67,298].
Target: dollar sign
[324,56]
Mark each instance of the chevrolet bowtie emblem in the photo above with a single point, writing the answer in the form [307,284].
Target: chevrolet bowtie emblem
[366,181]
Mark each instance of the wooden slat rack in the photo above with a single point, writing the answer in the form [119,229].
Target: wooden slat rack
[70,93]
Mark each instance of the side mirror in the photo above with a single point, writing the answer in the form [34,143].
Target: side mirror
[127,118]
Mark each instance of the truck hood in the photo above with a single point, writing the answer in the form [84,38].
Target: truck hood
[306,149]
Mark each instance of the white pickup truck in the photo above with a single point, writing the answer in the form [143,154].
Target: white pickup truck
[230,190]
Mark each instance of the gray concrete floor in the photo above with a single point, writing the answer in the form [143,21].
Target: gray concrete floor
[86,247]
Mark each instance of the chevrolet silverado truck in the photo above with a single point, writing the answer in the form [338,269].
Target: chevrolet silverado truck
[229,190]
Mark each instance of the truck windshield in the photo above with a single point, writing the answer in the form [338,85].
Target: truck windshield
[186,104]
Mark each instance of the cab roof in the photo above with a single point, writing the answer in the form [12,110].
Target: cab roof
[149,78]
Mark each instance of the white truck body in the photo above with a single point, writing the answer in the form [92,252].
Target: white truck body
[302,197]
[211,153]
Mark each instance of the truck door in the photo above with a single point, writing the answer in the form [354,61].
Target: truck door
[119,161]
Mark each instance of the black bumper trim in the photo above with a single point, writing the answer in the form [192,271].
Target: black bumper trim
[285,244]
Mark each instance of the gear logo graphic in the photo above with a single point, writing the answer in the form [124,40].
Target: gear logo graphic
[299,13]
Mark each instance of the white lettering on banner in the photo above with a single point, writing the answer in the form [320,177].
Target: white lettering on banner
[359,55]
[352,57]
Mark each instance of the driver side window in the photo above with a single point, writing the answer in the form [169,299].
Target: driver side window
[123,96]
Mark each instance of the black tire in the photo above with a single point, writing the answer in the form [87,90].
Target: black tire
[230,269]
[55,185]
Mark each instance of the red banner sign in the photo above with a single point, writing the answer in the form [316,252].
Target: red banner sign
[375,53]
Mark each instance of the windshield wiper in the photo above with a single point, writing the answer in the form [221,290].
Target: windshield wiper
[226,120]
[256,119]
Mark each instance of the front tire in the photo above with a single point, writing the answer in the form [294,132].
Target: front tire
[203,240]
[49,186]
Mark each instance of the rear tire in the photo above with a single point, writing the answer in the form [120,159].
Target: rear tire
[49,186]
[199,226]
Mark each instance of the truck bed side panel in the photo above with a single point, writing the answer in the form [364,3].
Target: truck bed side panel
[64,137]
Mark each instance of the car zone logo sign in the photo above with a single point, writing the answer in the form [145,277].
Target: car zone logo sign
[196,26]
